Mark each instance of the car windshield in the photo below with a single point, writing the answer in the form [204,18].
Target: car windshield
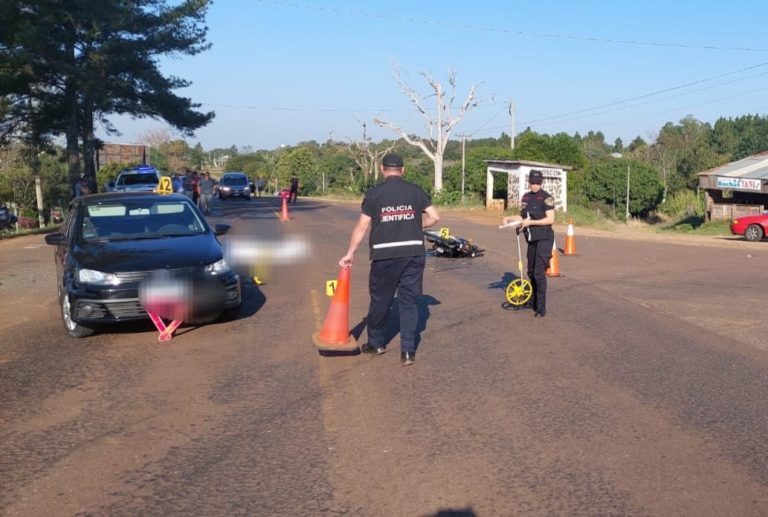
[139,219]
[137,179]
[233,180]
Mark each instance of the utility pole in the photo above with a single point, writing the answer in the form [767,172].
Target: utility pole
[512,110]
[626,217]
[38,188]
[463,161]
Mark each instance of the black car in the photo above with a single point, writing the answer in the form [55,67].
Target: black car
[234,184]
[110,243]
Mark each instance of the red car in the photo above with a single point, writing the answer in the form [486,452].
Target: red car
[752,227]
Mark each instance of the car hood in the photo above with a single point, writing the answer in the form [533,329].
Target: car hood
[757,218]
[149,254]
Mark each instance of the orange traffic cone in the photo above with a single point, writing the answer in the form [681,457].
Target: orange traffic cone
[284,215]
[554,262]
[335,336]
[570,242]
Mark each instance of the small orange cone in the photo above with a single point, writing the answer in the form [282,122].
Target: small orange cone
[284,215]
[570,242]
[554,263]
[335,335]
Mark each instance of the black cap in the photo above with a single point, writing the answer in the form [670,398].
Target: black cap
[392,161]
[536,177]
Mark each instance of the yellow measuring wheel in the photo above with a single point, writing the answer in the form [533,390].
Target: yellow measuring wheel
[519,290]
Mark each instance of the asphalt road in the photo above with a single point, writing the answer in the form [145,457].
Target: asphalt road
[643,392]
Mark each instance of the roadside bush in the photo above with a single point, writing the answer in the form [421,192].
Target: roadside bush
[596,216]
[685,203]
[28,222]
[446,197]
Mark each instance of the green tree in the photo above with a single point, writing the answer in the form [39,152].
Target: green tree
[560,148]
[72,62]
[299,161]
[636,144]
[475,169]
[606,183]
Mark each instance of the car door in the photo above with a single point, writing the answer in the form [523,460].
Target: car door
[61,251]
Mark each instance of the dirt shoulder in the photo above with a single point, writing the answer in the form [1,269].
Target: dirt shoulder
[632,233]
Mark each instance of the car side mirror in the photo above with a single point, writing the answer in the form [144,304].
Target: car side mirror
[221,229]
[55,238]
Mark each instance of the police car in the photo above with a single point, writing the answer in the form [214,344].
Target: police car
[138,179]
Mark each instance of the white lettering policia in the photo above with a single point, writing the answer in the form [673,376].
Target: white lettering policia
[397,213]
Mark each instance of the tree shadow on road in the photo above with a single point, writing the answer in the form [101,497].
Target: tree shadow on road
[453,512]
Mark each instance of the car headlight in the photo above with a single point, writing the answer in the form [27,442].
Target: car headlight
[247,189]
[218,268]
[225,189]
[93,277]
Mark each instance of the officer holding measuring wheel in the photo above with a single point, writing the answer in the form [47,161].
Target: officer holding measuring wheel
[537,214]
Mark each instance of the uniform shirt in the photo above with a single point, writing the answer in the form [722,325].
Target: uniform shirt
[535,206]
[395,207]
[294,183]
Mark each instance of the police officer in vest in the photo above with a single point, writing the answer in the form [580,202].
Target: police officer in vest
[396,212]
[537,213]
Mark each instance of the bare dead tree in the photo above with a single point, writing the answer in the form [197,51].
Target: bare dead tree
[366,156]
[666,157]
[440,121]
[155,137]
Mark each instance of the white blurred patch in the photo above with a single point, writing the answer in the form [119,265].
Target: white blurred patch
[254,256]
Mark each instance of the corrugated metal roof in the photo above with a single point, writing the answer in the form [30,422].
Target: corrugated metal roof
[752,167]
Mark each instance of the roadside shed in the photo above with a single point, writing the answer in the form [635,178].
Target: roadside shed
[516,174]
[738,188]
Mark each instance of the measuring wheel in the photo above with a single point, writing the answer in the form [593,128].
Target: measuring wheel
[519,291]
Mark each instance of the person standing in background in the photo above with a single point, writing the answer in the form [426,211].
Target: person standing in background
[206,187]
[294,188]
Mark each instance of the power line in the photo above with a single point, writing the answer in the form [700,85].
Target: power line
[673,110]
[328,110]
[677,109]
[594,110]
[286,108]
[635,105]
[451,25]
[651,94]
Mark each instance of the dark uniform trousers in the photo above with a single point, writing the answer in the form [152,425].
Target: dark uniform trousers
[539,253]
[404,276]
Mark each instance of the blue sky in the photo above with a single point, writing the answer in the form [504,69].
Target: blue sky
[281,72]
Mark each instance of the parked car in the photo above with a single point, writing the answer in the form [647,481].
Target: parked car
[752,227]
[110,243]
[139,179]
[234,184]
[7,218]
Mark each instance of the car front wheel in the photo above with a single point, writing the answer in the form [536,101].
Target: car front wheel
[753,232]
[73,328]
